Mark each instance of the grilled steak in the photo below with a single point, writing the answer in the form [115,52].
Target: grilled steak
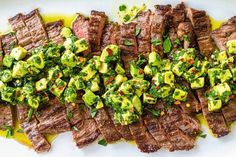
[35,25]
[158,27]
[52,118]
[106,126]
[53,30]
[128,43]
[39,142]
[215,120]
[1,52]
[229,111]
[226,32]
[110,35]
[80,28]
[144,32]
[122,129]
[22,32]
[6,119]
[8,42]
[202,28]
[142,137]
[97,22]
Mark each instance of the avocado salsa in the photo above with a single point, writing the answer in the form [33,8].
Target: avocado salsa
[60,70]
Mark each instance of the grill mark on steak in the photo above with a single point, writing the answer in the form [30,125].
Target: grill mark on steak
[54,31]
[224,33]
[110,35]
[9,41]
[215,120]
[106,126]
[35,25]
[202,28]
[144,37]
[80,27]
[97,22]
[40,144]
[158,25]
[229,111]
[128,44]
[22,32]
[122,129]
[52,118]
[6,118]
[1,52]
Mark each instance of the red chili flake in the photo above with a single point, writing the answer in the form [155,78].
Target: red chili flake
[110,79]
[231,96]
[120,93]
[131,110]
[182,59]
[194,71]
[157,87]
[52,89]
[153,81]
[141,71]
[60,88]
[190,61]
[110,52]
[81,59]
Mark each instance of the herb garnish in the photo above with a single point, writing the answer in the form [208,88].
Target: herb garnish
[122,7]
[137,31]
[102,142]
[154,112]
[69,114]
[20,130]
[75,128]
[93,112]
[30,114]
[202,135]
[156,42]
[127,42]
[167,45]
[9,132]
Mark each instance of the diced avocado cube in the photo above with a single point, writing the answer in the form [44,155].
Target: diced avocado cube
[180,94]
[94,86]
[119,69]
[166,64]
[18,53]
[68,43]
[222,56]
[99,104]
[158,79]
[20,69]
[154,59]
[222,88]
[2,85]
[66,32]
[37,60]
[81,45]
[126,87]
[90,98]
[28,88]
[120,79]
[135,71]
[189,55]
[6,75]
[147,70]
[205,67]
[231,44]
[137,104]
[70,94]
[8,61]
[165,91]
[41,84]
[58,88]
[169,78]
[88,72]
[7,94]
[104,68]
[197,83]
[213,74]
[214,105]
[234,73]
[225,75]
[54,73]
[110,53]
[149,99]
[177,69]
[96,61]
[140,86]
[19,95]
[126,104]
[33,102]
[68,59]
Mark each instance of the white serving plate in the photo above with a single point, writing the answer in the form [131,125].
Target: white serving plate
[63,146]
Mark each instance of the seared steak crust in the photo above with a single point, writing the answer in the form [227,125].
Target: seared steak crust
[6,119]
[53,30]
[229,111]
[23,34]
[9,41]
[110,35]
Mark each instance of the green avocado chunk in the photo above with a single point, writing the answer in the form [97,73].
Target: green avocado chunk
[18,53]
[37,60]
[6,75]
[20,69]
[180,95]
[90,98]
[214,105]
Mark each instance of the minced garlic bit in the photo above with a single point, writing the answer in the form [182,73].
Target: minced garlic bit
[177,102]
[188,105]
[162,113]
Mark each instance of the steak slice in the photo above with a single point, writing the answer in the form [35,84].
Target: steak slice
[144,36]
[40,144]
[52,118]
[106,126]
[128,44]
[9,41]
[226,32]
[80,28]
[229,111]
[1,53]
[97,22]
[110,35]
[22,32]
[142,137]
[122,129]
[215,120]
[6,119]
[54,31]
[202,28]
[35,25]
[158,25]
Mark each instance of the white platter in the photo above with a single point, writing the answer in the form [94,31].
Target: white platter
[63,146]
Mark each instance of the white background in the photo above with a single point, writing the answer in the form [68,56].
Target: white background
[63,146]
